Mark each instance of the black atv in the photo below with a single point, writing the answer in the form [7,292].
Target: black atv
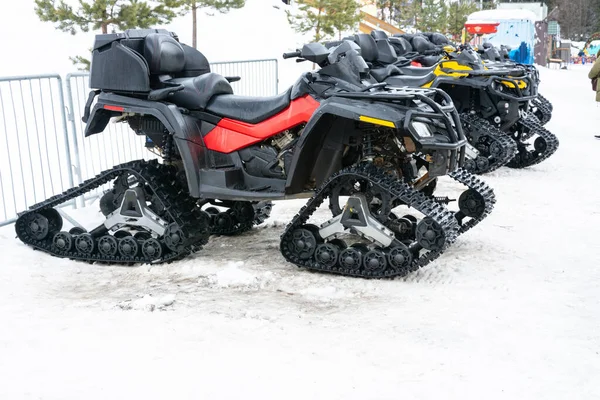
[368,151]
[496,57]
[494,103]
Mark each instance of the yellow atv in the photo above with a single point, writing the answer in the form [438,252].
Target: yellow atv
[493,103]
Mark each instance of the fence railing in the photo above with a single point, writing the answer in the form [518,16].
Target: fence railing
[36,159]
[42,134]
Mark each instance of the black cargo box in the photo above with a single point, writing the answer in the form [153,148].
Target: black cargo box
[119,61]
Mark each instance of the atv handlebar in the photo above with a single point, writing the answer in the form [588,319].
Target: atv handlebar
[296,53]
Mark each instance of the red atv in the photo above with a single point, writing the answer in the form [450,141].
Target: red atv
[334,136]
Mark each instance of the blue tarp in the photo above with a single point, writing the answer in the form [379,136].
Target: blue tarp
[519,34]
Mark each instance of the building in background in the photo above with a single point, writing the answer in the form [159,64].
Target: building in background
[538,8]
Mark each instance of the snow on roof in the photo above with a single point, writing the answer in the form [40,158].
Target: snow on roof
[501,15]
[481,21]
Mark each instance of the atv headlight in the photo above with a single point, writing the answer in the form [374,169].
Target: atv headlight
[421,129]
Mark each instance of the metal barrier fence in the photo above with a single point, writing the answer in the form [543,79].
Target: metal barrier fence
[36,160]
[43,146]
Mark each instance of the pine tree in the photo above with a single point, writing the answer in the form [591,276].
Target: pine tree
[324,17]
[344,15]
[432,16]
[458,12]
[312,18]
[104,14]
[398,11]
[222,6]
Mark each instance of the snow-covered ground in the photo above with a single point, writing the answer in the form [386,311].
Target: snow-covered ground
[511,311]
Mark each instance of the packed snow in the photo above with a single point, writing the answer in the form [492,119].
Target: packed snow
[511,311]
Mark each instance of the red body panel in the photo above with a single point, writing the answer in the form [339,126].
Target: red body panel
[230,135]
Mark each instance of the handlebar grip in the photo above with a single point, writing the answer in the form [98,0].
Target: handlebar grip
[292,54]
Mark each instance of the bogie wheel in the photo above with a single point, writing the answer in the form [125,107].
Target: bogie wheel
[152,249]
[399,257]
[128,247]
[350,258]
[327,254]
[430,234]
[63,241]
[107,246]
[223,220]
[84,243]
[375,261]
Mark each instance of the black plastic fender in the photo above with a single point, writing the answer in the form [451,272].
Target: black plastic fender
[185,129]
[320,147]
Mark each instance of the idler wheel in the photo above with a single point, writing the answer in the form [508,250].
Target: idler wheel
[152,249]
[430,234]
[37,226]
[128,247]
[55,221]
[212,212]
[471,203]
[302,244]
[327,254]
[63,241]
[400,257]
[375,261]
[540,145]
[107,246]
[173,237]
[243,211]
[84,243]
[107,203]
[404,227]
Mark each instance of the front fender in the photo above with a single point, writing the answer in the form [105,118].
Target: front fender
[321,144]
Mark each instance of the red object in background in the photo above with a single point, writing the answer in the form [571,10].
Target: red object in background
[415,64]
[479,28]
[231,135]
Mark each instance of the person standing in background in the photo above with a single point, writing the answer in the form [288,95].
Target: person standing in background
[595,74]
[581,55]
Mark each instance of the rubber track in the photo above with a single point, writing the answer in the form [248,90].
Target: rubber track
[473,182]
[508,146]
[397,190]
[544,112]
[179,208]
[526,158]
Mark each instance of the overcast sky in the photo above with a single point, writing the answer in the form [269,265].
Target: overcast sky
[30,46]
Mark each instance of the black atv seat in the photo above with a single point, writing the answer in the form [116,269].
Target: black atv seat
[417,71]
[198,91]
[248,109]
[410,81]
[428,61]
[380,74]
